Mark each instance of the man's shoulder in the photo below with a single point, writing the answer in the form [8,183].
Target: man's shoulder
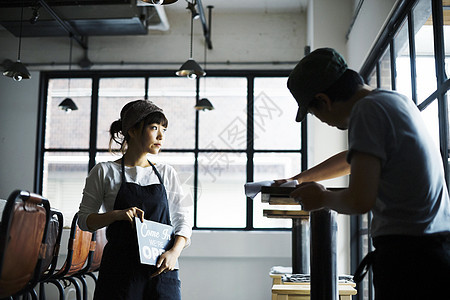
[380,98]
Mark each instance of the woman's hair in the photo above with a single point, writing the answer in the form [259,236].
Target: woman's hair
[122,139]
[344,88]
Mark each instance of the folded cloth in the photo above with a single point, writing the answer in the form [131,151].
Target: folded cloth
[307,278]
[296,278]
[253,188]
[281,270]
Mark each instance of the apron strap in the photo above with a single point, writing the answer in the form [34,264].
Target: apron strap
[157,173]
[364,266]
[123,170]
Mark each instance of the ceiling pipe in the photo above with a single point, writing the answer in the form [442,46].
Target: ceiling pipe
[66,25]
[164,24]
[206,30]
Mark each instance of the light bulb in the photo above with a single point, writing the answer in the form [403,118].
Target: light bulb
[17,77]
[192,76]
[157,2]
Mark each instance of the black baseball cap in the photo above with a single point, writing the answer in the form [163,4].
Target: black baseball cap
[315,73]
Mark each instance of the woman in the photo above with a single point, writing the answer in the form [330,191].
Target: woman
[134,187]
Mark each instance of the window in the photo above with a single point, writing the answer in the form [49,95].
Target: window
[250,135]
[414,60]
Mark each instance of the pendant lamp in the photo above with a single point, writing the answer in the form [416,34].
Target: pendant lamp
[159,2]
[17,70]
[203,104]
[68,104]
[191,69]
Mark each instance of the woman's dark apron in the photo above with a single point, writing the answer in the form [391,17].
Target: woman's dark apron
[121,274]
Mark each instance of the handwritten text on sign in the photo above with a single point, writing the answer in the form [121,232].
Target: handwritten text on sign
[154,239]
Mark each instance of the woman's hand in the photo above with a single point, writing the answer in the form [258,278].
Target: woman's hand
[129,214]
[166,262]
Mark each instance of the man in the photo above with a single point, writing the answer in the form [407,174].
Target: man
[395,172]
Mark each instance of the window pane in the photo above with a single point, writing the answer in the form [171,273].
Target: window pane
[431,118]
[63,181]
[107,156]
[225,127]
[114,93]
[365,249]
[373,79]
[402,61]
[447,51]
[268,166]
[221,199]
[183,163]
[176,96]
[68,129]
[385,70]
[447,95]
[445,4]
[274,116]
[425,64]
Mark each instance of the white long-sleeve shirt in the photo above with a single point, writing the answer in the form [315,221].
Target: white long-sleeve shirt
[103,184]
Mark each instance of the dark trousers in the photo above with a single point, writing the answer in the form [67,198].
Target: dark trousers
[409,267]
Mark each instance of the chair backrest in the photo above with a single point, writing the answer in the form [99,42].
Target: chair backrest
[100,242]
[22,241]
[53,243]
[78,249]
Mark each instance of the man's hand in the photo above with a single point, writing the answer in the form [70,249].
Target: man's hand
[310,195]
[278,182]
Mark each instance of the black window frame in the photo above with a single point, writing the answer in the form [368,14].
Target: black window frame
[93,150]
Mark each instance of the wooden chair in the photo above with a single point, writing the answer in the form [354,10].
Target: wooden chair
[23,231]
[53,243]
[80,245]
[94,260]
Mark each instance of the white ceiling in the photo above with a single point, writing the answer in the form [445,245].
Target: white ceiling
[244,6]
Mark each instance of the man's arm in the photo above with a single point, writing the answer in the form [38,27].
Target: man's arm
[358,198]
[333,167]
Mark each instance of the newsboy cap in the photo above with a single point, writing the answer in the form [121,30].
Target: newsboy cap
[135,111]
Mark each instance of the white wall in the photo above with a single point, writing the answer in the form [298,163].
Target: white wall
[18,120]
[232,265]
[371,18]
[330,21]
[220,265]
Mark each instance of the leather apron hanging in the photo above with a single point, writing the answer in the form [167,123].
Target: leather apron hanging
[121,274]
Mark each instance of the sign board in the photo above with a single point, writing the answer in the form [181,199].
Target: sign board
[154,239]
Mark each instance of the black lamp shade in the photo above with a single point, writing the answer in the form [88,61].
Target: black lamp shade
[204,104]
[17,71]
[68,105]
[161,2]
[191,69]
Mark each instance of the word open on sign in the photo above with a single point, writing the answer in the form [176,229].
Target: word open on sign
[154,239]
